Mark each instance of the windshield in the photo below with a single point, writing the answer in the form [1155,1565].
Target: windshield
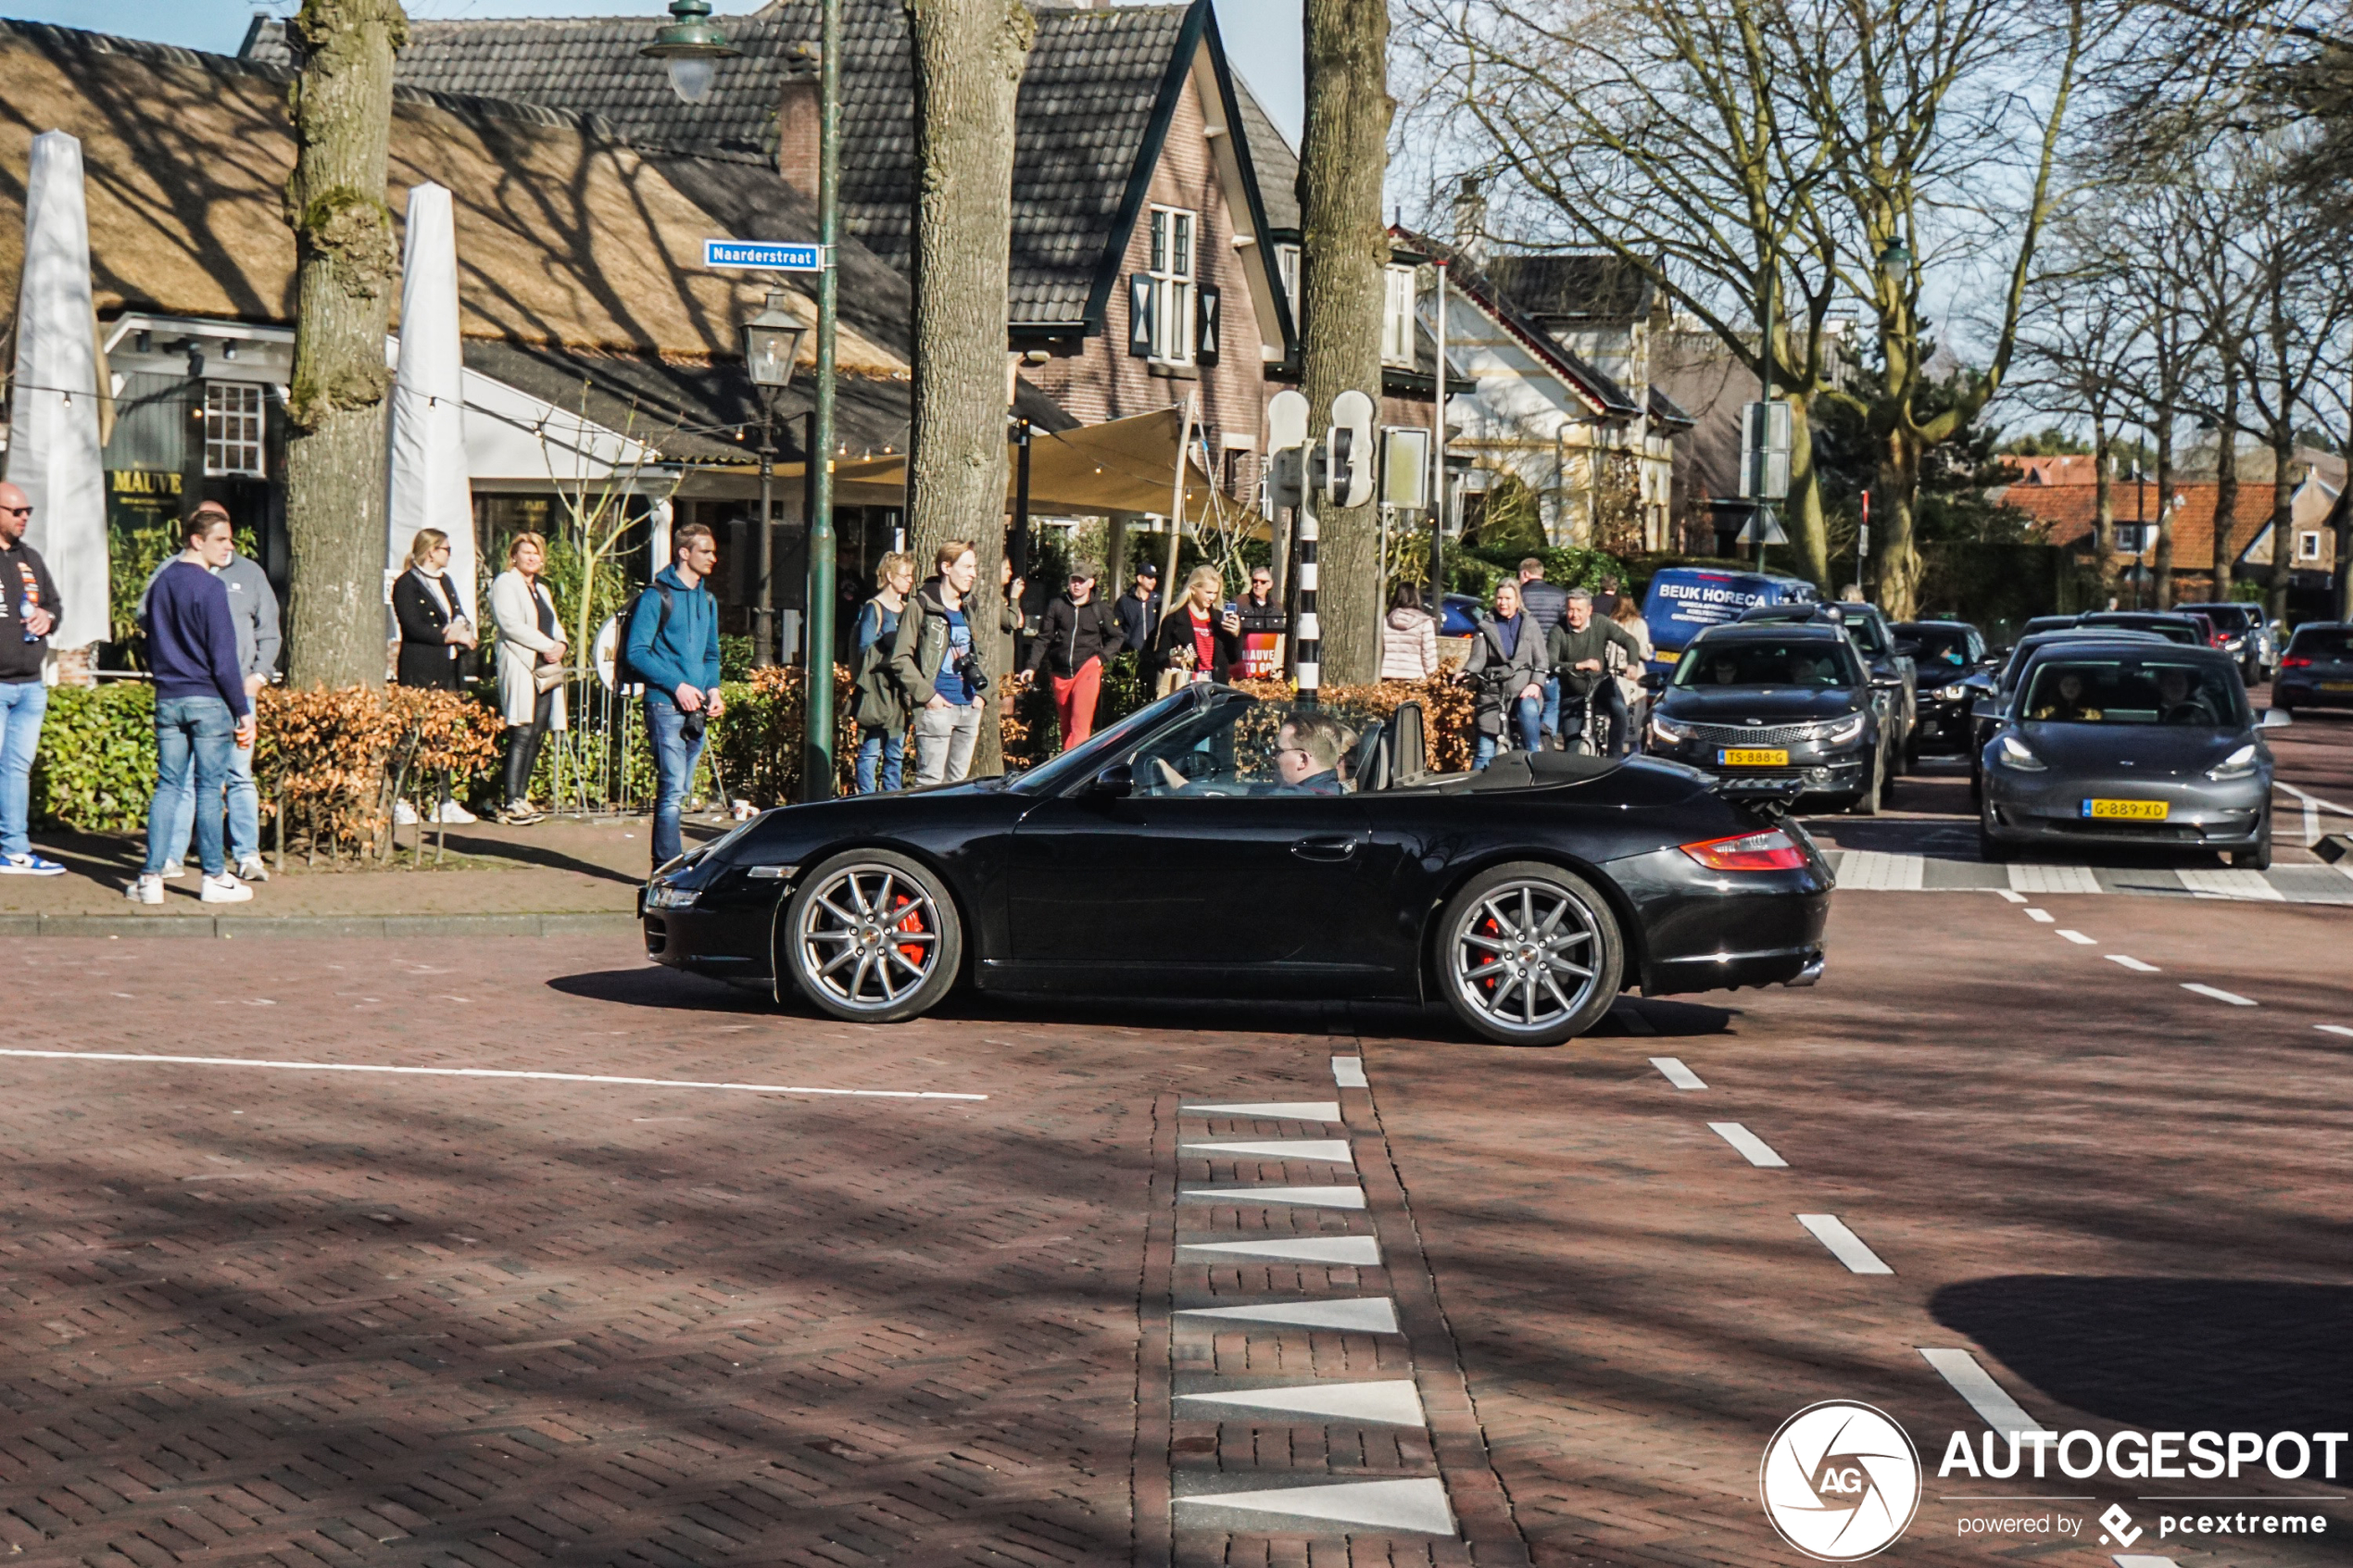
[2233,619]
[2171,630]
[1814,663]
[1943,648]
[1082,760]
[2335,644]
[1868,635]
[2134,691]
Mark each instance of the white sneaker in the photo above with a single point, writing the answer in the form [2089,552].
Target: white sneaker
[251,870]
[222,889]
[453,813]
[404,813]
[147,889]
[174,871]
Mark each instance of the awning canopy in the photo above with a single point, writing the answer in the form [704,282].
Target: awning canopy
[1120,466]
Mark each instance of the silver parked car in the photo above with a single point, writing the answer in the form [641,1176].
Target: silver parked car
[2130,744]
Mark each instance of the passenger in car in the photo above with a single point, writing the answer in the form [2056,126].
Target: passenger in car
[2068,706]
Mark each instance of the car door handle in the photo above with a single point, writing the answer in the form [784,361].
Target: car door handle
[1324,848]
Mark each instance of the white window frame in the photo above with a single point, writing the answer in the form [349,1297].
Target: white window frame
[1397,318]
[1174,238]
[1287,265]
[2308,545]
[234,426]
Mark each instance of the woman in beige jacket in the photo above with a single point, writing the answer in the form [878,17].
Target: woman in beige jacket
[1409,637]
[530,638]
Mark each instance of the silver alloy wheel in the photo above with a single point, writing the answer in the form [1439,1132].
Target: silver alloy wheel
[1524,956]
[856,931]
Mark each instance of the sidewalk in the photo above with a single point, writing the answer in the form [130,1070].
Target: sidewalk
[566,875]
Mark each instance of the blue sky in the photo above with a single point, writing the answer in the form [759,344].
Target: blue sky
[1262,36]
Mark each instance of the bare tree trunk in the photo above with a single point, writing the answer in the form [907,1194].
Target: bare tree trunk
[1344,248]
[2226,483]
[2164,563]
[1899,562]
[345,266]
[2282,517]
[2103,509]
[969,59]
[1809,538]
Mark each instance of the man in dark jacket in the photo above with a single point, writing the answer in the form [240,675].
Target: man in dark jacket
[1139,609]
[203,713]
[1075,635]
[1543,603]
[28,614]
[1578,651]
[1264,624]
[674,648]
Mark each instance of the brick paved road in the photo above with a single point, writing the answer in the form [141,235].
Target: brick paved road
[328,1317]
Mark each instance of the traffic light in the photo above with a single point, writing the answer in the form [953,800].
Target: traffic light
[1348,451]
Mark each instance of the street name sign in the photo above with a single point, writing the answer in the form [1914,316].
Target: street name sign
[765,254]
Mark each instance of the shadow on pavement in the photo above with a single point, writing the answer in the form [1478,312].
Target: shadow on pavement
[2169,1354]
[670,989]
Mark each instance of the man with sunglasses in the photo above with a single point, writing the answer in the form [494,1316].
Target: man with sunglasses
[27,597]
[1075,635]
[1264,624]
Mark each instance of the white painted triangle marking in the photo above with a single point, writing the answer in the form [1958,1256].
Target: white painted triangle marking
[1283,1110]
[1331,1151]
[1339,1250]
[1305,1197]
[1417,1505]
[1390,1402]
[1360,1314]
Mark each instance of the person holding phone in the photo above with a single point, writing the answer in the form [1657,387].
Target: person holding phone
[1198,639]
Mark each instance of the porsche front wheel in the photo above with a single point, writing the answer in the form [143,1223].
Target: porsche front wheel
[1529,954]
[872,937]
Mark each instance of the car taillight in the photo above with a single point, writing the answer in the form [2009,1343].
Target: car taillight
[2295,661]
[1770,851]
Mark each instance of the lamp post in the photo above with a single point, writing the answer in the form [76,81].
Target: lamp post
[772,342]
[692,47]
[817,734]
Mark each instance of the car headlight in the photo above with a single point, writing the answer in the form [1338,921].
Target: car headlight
[2238,765]
[2015,754]
[1668,731]
[1954,693]
[1840,730]
[667,898]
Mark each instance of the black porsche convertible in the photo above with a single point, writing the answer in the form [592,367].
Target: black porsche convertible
[1215,844]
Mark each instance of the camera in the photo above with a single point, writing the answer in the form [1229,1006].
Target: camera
[969,667]
[691,726]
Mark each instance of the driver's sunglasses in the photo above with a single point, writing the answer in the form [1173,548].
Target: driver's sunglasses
[17,511]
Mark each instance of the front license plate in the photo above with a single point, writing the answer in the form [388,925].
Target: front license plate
[1752,756]
[2127,811]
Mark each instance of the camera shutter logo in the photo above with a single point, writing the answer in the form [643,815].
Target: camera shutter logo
[1840,1481]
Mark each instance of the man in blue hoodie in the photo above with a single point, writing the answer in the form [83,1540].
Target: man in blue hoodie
[674,648]
[202,711]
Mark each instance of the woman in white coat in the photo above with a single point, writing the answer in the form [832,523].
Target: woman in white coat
[530,639]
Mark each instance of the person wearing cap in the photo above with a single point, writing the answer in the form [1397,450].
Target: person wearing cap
[1138,609]
[1075,635]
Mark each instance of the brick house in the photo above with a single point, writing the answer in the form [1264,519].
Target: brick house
[2061,493]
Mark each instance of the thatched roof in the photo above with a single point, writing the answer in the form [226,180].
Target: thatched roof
[567,238]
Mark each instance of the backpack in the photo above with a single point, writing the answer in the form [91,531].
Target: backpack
[624,673]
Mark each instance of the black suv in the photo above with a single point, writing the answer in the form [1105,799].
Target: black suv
[1778,710]
[1946,654]
[1893,671]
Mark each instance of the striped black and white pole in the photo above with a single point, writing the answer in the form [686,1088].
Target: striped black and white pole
[1310,636]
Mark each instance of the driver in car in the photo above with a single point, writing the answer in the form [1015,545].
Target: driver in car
[1724,669]
[1307,751]
[2177,704]
[2068,706]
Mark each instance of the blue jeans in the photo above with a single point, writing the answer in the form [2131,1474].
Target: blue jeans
[198,731]
[244,812]
[21,705]
[1529,712]
[674,759]
[1553,706]
[887,747]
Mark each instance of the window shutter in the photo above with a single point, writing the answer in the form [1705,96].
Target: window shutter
[1205,337]
[1139,315]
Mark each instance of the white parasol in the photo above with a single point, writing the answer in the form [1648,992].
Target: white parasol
[428,464]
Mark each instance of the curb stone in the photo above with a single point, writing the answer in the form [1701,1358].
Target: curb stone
[214,926]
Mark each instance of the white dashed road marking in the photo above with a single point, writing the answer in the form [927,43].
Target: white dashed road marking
[1844,1245]
[2231,997]
[2009,897]
[2041,917]
[1987,1398]
[2136,965]
[1755,1150]
[2335,1029]
[1677,1073]
[1348,1072]
[2077,938]
[2142,1560]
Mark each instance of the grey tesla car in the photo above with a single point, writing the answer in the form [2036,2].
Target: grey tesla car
[2129,743]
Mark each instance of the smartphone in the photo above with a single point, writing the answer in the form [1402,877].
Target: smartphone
[1232,607]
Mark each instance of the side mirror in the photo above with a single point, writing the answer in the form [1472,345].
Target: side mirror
[2274,719]
[1114,781]
[1653,681]
[1907,650]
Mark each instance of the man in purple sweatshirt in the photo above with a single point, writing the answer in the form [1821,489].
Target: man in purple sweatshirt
[202,712]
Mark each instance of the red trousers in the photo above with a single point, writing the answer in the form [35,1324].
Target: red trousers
[1075,700]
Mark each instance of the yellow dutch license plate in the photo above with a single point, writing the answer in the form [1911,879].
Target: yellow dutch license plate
[1752,756]
[2127,811]
[2333,687]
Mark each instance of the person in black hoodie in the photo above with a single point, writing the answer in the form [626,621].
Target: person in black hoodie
[1075,635]
[28,614]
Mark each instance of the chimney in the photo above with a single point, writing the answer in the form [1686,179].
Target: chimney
[797,118]
[1470,221]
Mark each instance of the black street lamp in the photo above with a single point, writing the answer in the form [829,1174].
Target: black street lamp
[772,344]
[692,47]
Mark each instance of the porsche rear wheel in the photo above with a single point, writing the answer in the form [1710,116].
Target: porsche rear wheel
[872,937]
[1529,954]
